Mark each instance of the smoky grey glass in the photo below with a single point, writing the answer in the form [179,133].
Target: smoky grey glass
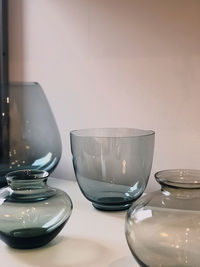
[31,212]
[112,165]
[163,227]
[29,137]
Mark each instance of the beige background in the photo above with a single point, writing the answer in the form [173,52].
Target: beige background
[122,63]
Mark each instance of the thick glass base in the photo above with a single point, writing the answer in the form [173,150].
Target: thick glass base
[29,238]
[111,207]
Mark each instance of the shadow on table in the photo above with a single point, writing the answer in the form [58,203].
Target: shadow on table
[124,262]
[64,251]
[115,214]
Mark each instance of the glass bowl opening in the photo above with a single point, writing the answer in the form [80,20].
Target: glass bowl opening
[111,132]
[184,178]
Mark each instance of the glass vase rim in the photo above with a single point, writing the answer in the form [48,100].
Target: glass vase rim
[84,132]
[179,178]
[27,175]
[17,83]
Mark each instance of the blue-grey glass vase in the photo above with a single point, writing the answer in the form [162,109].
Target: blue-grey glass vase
[163,227]
[31,212]
[29,137]
[112,166]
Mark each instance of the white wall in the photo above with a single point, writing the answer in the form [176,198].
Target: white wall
[126,63]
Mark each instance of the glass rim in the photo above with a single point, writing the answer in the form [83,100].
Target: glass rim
[144,132]
[179,177]
[19,83]
[27,174]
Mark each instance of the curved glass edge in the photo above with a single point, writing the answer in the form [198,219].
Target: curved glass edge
[111,132]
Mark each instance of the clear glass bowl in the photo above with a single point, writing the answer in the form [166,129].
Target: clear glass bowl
[112,166]
[31,212]
[163,227]
[29,137]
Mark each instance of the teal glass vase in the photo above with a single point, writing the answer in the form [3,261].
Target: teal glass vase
[29,137]
[31,212]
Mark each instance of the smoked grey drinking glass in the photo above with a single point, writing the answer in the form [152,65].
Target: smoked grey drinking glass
[112,165]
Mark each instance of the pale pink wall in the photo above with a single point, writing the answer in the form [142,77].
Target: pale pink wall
[126,63]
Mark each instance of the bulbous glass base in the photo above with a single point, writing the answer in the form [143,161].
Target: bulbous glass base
[32,213]
[163,227]
[30,237]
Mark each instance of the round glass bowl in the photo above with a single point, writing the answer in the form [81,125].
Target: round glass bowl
[31,212]
[29,136]
[112,165]
[163,227]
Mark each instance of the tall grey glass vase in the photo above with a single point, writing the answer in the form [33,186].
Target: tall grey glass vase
[29,137]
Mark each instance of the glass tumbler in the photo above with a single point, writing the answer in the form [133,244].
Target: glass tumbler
[112,165]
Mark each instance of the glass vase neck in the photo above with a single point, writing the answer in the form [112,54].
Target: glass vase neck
[179,178]
[29,185]
[27,179]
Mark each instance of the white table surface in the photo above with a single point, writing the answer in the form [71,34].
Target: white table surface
[91,238]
